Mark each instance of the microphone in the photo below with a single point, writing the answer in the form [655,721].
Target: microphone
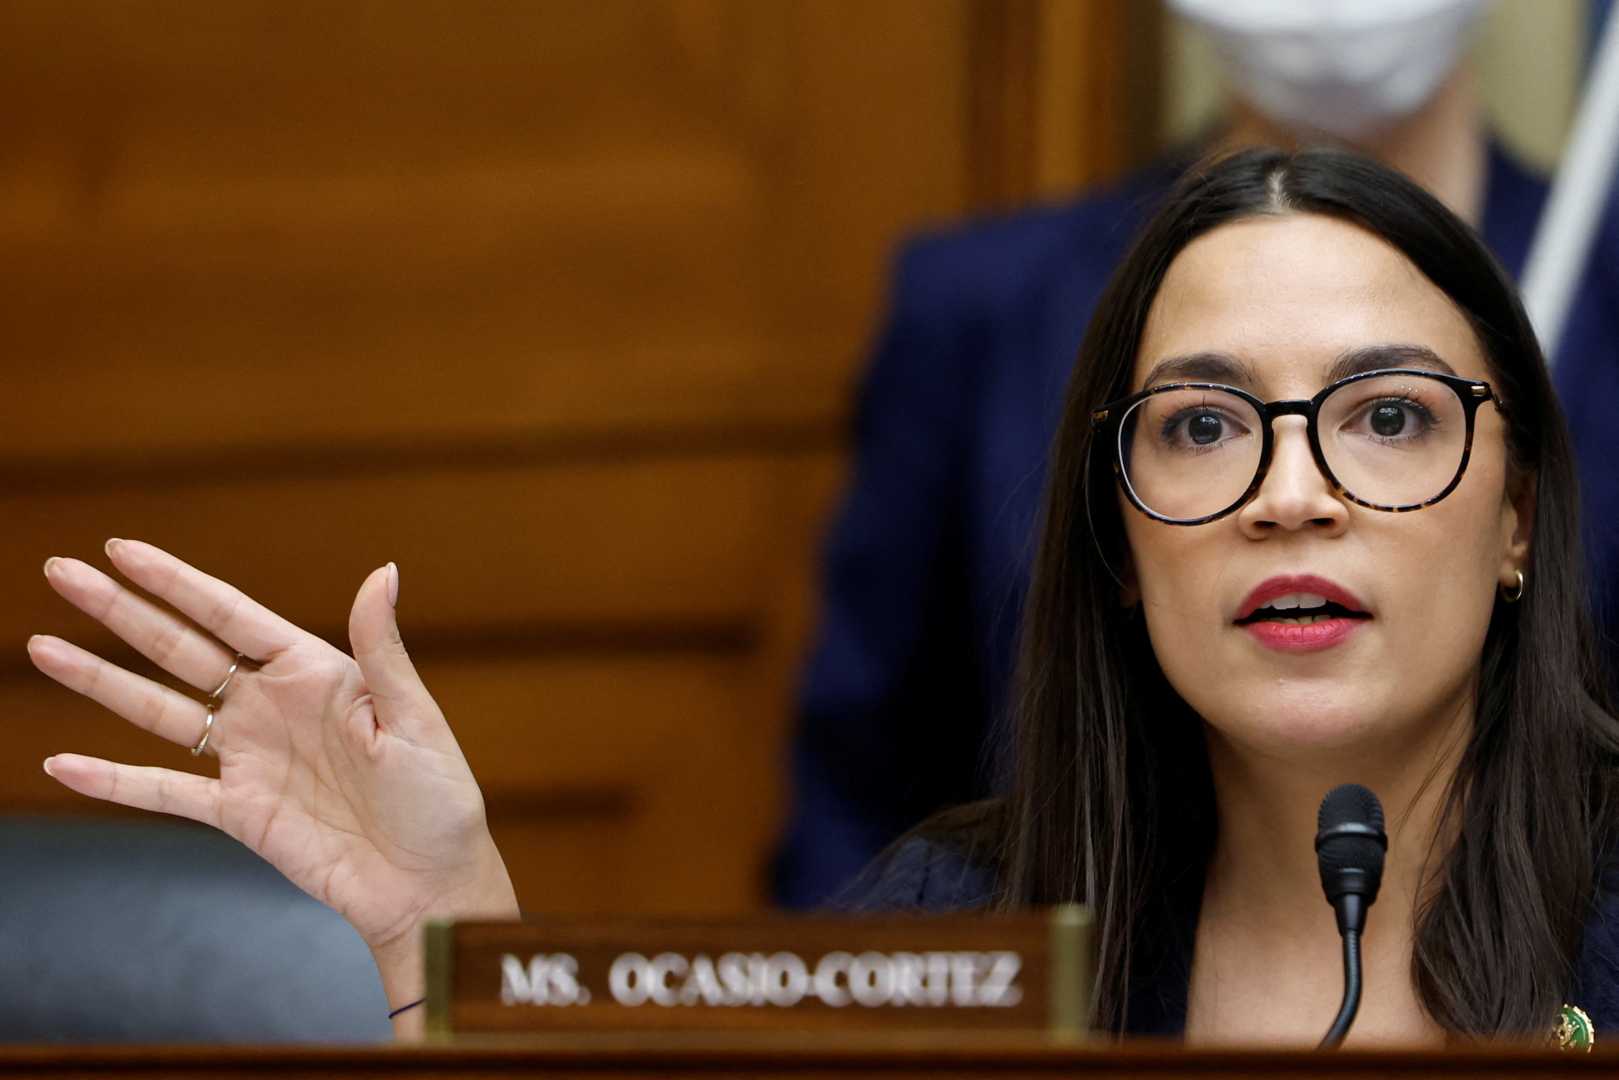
[1349,846]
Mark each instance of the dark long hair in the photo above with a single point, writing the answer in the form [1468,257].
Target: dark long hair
[1110,796]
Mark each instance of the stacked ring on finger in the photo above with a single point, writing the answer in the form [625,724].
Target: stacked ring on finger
[207,730]
[215,701]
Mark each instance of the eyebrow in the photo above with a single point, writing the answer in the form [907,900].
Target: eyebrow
[1202,367]
[1377,357]
[1233,370]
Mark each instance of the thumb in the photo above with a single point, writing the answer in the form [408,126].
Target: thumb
[379,650]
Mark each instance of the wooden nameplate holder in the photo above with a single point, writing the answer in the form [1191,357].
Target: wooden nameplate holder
[775,973]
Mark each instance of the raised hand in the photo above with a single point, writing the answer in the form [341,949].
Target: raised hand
[341,772]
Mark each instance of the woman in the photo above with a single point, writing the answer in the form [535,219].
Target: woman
[1468,698]
[1311,519]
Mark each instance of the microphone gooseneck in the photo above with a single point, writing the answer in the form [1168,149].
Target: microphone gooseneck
[1349,846]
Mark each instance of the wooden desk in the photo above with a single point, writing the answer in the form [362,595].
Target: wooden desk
[645,1057]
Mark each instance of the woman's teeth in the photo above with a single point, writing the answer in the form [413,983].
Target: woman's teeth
[1300,609]
[1297,600]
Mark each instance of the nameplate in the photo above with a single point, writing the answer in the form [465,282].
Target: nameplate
[1028,972]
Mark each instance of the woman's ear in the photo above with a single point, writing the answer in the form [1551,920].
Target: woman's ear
[1517,528]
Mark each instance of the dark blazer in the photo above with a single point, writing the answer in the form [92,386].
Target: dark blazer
[922,875]
[927,559]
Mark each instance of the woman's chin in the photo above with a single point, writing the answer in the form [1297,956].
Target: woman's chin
[1293,721]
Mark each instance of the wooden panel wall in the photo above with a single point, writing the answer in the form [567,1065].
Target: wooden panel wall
[557,305]
[1064,93]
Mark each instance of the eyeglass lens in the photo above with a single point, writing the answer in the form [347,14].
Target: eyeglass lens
[1392,440]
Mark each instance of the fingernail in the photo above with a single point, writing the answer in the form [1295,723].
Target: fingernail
[48,768]
[393,585]
[49,563]
[111,546]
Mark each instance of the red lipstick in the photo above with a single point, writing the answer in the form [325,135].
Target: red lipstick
[1328,628]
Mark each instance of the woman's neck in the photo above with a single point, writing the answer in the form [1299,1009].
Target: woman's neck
[1441,145]
[1267,813]
[1268,951]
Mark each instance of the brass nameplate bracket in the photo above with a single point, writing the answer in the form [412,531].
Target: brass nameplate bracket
[1028,972]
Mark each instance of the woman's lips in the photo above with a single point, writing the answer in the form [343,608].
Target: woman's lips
[1303,637]
[1283,585]
[1299,636]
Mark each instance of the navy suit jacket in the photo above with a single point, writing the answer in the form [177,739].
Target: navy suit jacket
[926,563]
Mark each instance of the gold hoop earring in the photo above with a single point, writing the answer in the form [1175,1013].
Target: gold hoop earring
[1512,596]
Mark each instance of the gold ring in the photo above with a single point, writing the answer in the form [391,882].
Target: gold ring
[207,730]
[213,698]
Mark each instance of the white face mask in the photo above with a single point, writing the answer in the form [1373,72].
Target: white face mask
[1349,68]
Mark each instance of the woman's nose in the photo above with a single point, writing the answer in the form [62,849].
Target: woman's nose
[1295,494]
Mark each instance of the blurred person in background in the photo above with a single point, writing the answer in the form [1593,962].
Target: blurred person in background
[927,561]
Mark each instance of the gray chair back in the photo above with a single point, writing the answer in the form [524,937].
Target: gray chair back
[160,932]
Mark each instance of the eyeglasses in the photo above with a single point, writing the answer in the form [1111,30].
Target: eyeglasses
[1394,440]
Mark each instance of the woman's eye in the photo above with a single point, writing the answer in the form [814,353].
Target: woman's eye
[1205,428]
[1388,420]
[1200,428]
[1392,418]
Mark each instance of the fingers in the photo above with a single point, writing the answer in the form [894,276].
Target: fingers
[155,632]
[142,702]
[402,699]
[145,788]
[221,609]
